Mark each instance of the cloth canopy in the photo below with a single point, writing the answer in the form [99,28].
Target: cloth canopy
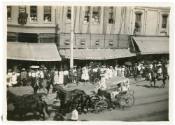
[96,54]
[152,45]
[32,51]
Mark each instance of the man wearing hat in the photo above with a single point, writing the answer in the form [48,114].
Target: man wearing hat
[23,77]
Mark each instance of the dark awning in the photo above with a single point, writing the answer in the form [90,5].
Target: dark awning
[152,45]
[32,51]
[96,54]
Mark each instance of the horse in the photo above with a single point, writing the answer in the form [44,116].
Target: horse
[28,103]
[35,83]
[69,98]
[107,95]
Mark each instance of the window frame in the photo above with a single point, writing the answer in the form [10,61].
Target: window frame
[141,23]
[164,15]
[87,14]
[36,14]
[50,14]
[9,18]
[68,20]
[113,14]
[99,15]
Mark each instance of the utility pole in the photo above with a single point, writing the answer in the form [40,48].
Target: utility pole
[72,38]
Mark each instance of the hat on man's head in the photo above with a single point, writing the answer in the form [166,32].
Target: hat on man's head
[23,69]
[9,70]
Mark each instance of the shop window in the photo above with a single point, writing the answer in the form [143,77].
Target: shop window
[96,15]
[138,22]
[11,37]
[87,14]
[47,14]
[68,14]
[164,21]
[9,12]
[22,17]
[47,37]
[28,37]
[111,16]
[33,13]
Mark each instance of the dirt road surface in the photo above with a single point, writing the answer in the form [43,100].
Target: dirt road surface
[151,104]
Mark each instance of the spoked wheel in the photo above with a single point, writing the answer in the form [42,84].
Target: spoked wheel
[96,80]
[95,98]
[100,106]
[130,92]
[126,101]
[130,100]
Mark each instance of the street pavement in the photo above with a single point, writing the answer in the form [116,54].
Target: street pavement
[151,104]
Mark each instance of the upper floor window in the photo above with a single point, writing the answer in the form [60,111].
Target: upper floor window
[47,14]
[9,12]
[33,13]
[164,21]
[22,9]
[87,14]
[138,22]
[68,14]
[22,17]
[111,15]
[96,15]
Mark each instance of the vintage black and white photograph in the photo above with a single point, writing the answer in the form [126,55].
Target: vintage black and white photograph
[87,63]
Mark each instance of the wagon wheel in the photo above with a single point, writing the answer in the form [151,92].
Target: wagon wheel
[126,101]
[96,80]
[95,98]
[130,100]
[100,106]
[130,92]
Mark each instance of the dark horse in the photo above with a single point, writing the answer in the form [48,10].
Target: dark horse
[19,106]
[38,84]
[70,98]
[35,83]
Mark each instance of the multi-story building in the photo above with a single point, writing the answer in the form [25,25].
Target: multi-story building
[101,32]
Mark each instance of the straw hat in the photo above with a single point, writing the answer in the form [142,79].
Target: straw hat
[23,69]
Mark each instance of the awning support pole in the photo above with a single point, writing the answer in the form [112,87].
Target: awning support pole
[72,38]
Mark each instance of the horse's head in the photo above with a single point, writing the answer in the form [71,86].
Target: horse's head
[10,96]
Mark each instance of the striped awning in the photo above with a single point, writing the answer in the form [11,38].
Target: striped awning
[96,54]
[32,51]
[152,45]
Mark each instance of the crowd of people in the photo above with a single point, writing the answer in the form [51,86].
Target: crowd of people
[88,73]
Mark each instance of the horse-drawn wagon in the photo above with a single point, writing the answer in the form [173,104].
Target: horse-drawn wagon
[118,93]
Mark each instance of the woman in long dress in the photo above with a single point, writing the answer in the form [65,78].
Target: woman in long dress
[85,74]
[61,77]
[56,78]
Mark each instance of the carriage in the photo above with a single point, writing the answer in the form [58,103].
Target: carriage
[120,93]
